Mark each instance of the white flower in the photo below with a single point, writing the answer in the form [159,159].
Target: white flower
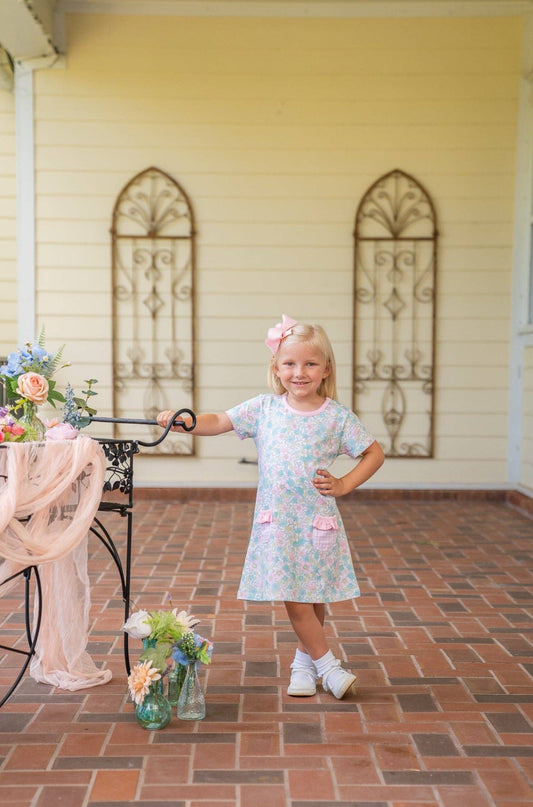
[137,625]
[186,621]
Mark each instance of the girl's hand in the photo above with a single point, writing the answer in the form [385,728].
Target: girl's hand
[328,485]
[207,424]
[163,419]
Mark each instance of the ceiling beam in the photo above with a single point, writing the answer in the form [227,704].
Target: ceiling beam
[27,29]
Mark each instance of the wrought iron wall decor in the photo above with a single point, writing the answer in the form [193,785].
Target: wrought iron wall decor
[153,262]
[394,314]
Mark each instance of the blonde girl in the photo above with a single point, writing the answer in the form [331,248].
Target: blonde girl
[298,551]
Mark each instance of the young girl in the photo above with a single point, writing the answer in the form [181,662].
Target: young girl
[298,551]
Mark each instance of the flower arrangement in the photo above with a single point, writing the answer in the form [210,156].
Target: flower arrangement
[192,648]
[10,430]
[168,640]
[27,378]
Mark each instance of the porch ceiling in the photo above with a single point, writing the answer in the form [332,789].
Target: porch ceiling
[27,28]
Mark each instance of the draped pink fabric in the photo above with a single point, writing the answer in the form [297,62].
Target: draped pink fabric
[48,498]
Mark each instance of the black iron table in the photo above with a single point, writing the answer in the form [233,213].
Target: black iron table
[119,454]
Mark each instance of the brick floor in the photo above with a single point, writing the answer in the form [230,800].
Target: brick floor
[441,641]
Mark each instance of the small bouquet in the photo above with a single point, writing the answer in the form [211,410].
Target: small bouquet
[192,648]
[27,379]
[167,637]
[10,430]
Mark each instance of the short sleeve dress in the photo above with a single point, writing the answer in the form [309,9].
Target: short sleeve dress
[298,549]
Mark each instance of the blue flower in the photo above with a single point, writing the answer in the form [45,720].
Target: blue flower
[15,364]
[184,654]
[39,353]
[179,656]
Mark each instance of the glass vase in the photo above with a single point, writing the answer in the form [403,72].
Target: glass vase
[176,678]
[191,702]
[34,428]
[155,711]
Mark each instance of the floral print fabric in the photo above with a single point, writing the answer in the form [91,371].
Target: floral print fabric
[298,549]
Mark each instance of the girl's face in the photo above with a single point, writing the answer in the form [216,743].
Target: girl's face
[301,367]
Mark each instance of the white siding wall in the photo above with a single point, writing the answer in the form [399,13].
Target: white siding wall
[275,128]
[8,241]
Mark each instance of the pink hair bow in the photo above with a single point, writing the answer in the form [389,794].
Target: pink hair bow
[279,332]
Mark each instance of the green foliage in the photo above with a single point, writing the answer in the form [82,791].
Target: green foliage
[164,627]
[157,655]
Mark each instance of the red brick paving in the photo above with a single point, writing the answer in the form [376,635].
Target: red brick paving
[441,641]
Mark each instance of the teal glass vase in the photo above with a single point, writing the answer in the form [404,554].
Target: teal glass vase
[155,711]
[191,702]
[147,643]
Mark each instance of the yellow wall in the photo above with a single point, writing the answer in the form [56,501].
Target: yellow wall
[527,422]
[275,128]
[8,241]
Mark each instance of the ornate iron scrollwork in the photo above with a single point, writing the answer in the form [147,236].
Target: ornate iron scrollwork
[153,312]
[394,314]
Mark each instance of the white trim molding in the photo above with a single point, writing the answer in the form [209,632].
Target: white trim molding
[25,183]
[520,331]
[301,8]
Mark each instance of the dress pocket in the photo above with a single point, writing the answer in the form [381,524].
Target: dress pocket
[325,530]
[264,524]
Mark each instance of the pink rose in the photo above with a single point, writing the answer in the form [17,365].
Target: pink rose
[34,387]
[63,431]
[15,429]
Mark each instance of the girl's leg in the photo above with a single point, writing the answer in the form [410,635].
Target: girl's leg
[303,672]
[320,612]
[307,619]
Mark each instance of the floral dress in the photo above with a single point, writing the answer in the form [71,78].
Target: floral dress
[298,549]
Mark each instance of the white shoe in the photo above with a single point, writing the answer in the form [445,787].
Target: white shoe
[338,681]
[303,681]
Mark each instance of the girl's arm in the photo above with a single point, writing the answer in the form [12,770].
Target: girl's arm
[206,425]
[328,485]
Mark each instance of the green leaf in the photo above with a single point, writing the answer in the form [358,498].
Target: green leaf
[56,360]
[203,654]
[157,655]
[90,381]
[11,386]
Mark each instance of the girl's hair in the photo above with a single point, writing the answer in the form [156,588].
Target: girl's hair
[317,337]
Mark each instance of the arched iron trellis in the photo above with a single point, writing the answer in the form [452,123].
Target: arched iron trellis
[394,314]
[153,257]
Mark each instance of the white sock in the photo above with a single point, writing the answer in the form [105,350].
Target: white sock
[302,659]
[324,663]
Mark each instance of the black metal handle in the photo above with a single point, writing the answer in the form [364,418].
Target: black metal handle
[140,422]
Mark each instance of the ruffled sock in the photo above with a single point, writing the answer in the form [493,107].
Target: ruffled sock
[323,664]
[302,660]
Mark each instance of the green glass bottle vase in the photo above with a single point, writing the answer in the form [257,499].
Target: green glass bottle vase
[176,677]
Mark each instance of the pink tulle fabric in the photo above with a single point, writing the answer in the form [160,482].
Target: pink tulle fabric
[49,494]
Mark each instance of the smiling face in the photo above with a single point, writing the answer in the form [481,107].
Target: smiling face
[301,368]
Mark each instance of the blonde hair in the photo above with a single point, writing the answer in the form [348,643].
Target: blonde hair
[316,336]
